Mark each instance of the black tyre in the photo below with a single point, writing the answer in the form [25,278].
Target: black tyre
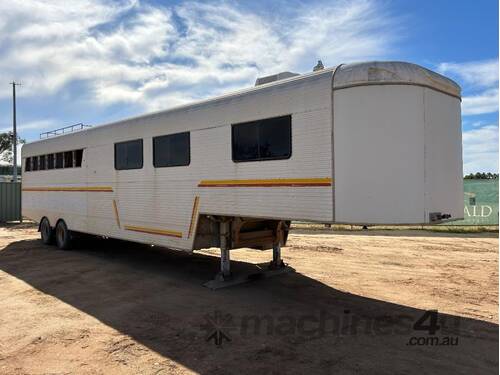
[63,236]
[46,232]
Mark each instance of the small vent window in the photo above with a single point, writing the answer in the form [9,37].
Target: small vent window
[68,159]
[78,158]
[42,163]
[27,165]
[34,163]
[50,161]
[59,160]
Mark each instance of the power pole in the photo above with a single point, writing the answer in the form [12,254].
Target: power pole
[14,130]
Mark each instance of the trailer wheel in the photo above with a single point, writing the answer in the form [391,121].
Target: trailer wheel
[46,232]
[63,236]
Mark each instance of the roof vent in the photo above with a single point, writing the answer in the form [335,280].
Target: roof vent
[319,66]
[274,78]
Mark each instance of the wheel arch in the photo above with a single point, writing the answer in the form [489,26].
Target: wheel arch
[40,223]
[59,220]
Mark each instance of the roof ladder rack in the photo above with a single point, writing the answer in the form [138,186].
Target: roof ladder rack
[66,129]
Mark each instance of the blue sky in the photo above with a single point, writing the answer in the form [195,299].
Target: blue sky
[97,61]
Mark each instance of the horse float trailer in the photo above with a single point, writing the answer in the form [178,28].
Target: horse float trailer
[364,143]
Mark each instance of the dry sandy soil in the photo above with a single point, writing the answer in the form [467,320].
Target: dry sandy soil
[110,307]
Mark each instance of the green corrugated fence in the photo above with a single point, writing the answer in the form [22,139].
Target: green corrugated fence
[480,203]
[10,201]
[7,170]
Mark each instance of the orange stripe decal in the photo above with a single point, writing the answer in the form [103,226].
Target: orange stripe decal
[161,232]
[106,189]
[117,217]
[274,182]
[194,215]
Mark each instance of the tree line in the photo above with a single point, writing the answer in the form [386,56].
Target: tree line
[481,176]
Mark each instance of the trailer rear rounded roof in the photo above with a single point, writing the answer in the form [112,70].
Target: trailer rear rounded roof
[392,72]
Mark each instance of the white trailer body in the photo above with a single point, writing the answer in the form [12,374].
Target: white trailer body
[371,143]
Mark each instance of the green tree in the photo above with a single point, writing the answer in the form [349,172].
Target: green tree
[6,141]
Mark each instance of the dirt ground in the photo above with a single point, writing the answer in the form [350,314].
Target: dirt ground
[110,307]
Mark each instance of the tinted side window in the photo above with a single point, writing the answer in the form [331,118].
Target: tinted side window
[59,160]
[27,165]
[50,161]
[171,150]
[246,142]
[266,139]
[128,155]
[275,138]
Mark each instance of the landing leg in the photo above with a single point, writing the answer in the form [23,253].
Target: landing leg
[277,261]
[225,259]
[225,279]
[225,265]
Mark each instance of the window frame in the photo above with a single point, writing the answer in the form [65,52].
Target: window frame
[170,135]
[259,124]
[142,154]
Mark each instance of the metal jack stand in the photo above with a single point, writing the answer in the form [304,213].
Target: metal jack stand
[277,262]
[225,258]
[225,279]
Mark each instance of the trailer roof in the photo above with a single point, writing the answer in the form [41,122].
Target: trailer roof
[344,76]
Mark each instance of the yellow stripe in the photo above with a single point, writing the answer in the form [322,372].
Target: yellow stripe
[193,215]
[117,217]
[268,182]
[161,232]
[71,188]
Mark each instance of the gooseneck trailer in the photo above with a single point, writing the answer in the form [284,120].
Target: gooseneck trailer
[365,143]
